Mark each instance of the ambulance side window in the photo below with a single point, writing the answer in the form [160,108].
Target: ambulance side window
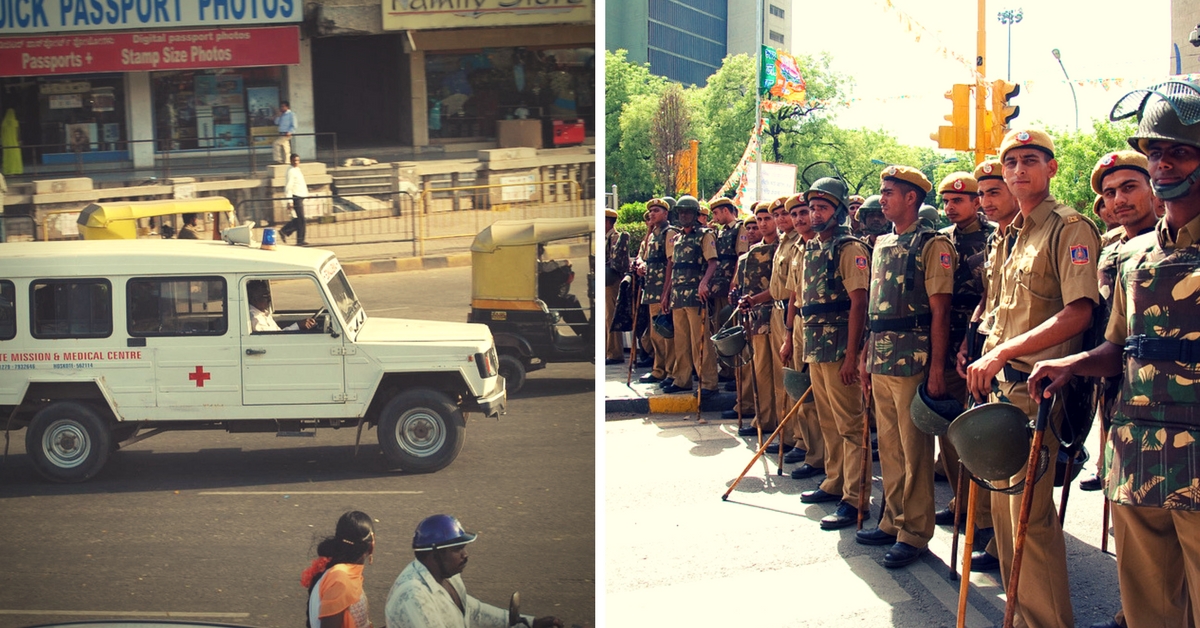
[8,310]
[177,306]
[71,308]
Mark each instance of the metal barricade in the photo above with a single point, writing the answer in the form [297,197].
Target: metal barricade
[335,219]
[462,212]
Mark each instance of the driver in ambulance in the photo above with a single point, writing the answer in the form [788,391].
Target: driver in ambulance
[259,295]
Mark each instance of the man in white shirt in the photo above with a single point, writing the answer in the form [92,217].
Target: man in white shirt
[430,592]
[259,295]
[296,189]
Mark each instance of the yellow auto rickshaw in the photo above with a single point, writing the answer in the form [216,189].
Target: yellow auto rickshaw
[118,220]
[528,299]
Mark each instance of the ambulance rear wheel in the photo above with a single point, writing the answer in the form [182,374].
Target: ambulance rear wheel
[68,442]
[421,431]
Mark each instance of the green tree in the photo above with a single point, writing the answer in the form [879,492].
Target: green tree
[1077,153]
[625,83]
[727,110]
[823,86]
[669,132]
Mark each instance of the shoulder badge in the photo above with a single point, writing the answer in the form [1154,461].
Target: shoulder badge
[946,260]
[860,262]
[1079,254]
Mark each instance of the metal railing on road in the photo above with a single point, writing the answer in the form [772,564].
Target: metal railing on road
[244,153]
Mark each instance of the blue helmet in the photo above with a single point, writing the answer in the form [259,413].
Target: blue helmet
[440,531]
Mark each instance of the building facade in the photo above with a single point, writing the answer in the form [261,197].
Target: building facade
[128,81]
[1185,17]
[686,40]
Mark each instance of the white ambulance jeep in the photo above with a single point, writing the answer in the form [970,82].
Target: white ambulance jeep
[107,342]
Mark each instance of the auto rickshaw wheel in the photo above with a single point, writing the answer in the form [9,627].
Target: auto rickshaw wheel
[68,441]
[512,369]
[421,431]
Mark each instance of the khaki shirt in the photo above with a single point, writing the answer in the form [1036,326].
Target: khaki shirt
[782,264]
[1041,277]
[1118,325]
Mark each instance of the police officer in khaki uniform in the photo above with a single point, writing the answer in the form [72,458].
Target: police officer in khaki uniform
[807,427]
[691,263]
[969,233]
[999,207]
[831,300]
[1046,292]
[1153,438]
[616,264]
[1122,181]
[912,278]
[731,243]
[652,264]
[744,373]
[872,223]
[756,304]
[788,236]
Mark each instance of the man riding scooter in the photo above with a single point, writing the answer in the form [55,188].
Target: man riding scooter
[430,592]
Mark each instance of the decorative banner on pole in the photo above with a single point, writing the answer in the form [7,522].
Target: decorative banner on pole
[781,76]
[740,177]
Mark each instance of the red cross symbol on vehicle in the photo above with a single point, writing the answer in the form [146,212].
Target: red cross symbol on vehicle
[199,376]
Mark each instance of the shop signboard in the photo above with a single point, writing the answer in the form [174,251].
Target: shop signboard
[25,17]
[149,51]
[412,15]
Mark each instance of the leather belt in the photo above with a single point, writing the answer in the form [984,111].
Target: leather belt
[1144,347]
[1014,376]
[782,305]
[825,308]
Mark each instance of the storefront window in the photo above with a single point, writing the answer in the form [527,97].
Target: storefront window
[59,117]
[470,91]
[205,109]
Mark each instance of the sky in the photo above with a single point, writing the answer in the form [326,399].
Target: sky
[900,82]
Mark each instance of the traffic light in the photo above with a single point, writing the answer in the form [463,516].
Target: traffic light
[957,136]
[1002,111]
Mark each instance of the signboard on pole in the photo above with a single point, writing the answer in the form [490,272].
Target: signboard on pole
[775,180]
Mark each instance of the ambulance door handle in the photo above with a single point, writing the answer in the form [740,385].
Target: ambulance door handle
[255,351]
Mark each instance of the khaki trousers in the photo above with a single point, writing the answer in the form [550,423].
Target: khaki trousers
[840,409]
[615,347]
[807,427]
[1158,554]
[765,416]
[906,459]
[282,149]
[1044,598]
[663,347]
[778,392]
[694,347]
[956,387]
[745,383]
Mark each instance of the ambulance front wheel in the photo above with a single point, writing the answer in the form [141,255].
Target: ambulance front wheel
[68,442]
[421,431]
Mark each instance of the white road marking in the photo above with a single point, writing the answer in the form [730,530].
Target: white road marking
[311,492]
[165,614]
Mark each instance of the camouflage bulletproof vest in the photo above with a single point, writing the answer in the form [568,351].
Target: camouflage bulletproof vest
[1152,442]
[898,312]
[1161,290]
[968,279]
[727,241]
[1106,268]
[826,306]
[758,278]
[656,264]
[687,268]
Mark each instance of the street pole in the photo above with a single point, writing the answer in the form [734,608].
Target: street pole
[1009,17]
[1058,56]
[980,89]
[758,41]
